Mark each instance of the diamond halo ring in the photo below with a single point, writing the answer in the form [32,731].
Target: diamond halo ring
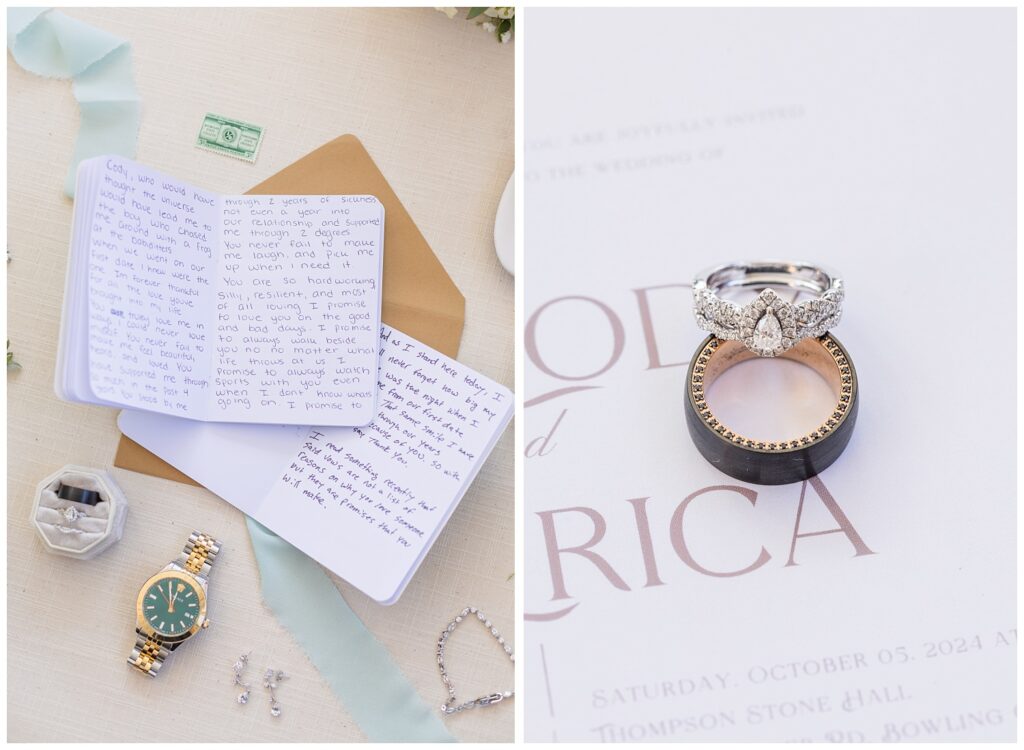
[71,514]
[768,325]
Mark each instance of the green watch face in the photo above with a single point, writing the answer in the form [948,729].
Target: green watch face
[171,605]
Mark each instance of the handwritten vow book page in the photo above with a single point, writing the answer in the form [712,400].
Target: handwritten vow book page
[366,502]
[255,308]
[666,601]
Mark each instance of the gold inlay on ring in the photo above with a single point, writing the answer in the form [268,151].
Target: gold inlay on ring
[823,354]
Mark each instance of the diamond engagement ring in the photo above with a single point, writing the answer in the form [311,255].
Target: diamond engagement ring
[769,325]
[71,514]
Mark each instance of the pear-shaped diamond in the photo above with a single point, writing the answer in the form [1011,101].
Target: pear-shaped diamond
[768,332]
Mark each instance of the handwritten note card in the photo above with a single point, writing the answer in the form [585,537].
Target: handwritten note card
[383,491]
[228,308]
[298,306]
[366,502]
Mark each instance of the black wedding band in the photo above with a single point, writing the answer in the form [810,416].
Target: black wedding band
[767,462]
[78,495]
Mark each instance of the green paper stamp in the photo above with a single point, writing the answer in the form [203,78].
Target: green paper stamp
[230,137]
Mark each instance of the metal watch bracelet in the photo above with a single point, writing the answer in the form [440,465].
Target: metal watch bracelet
[198,554]
[149,653]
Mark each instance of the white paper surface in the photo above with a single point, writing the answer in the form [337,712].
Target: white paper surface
[366,502]
[877,142]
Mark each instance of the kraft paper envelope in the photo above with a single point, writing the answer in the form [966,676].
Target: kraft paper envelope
[420,299]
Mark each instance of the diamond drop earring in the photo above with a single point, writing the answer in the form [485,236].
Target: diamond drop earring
[239,667]
[270,680]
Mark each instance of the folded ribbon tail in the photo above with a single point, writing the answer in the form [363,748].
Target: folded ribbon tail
[51,44]
[358,668]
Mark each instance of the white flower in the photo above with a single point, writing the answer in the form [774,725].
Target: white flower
[450,12]
[489,27]
[506,37]
[502,13]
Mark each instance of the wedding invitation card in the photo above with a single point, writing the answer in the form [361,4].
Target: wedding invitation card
[666,601]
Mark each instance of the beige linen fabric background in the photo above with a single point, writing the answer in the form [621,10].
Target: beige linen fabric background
[432,100]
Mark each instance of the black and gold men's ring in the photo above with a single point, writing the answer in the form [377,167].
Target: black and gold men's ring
[78,494]
[767,462]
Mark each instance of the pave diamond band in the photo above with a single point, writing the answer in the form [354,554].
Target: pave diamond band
[769,325]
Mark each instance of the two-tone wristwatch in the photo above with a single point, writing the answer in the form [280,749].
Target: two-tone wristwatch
[171,606]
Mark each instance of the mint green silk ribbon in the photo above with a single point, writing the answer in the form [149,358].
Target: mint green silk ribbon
[359,669]
[51,44]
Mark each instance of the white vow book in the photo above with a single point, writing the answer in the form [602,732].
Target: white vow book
[366,502]
[228,308]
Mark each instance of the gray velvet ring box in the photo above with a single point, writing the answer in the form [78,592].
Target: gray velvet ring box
[77,529]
